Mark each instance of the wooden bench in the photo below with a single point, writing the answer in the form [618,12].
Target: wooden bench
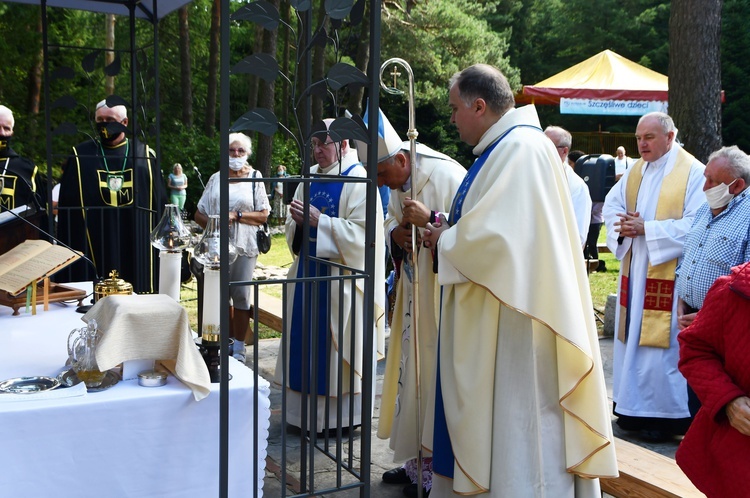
[270,311]
[645,473]
[602,247]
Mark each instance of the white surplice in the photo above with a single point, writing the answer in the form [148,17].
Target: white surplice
[646,382]
[341,239]
[519,362]
[438,179]
[579,195]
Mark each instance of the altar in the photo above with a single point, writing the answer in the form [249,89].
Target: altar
[127,440]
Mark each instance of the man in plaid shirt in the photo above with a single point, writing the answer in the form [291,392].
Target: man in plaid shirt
[718,238]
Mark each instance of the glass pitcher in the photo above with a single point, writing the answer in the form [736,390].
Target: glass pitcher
[82,345]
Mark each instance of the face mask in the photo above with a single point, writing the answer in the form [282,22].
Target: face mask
[237,163]
[109,131]
[719,196]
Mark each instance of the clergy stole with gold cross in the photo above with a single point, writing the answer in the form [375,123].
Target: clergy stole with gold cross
[659,295]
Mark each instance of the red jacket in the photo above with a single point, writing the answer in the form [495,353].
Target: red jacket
[715,360]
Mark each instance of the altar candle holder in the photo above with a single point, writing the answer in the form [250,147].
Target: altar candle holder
[170,236]
[207,252]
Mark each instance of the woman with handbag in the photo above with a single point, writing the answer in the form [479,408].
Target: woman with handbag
[248,212]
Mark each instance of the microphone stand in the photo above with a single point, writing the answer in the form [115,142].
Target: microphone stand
[80,309]
[195,168]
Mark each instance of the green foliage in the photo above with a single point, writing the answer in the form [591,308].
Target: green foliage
[189,147]
[440,38]
[735,52]
[286,152]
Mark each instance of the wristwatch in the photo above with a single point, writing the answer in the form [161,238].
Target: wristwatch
[239,214]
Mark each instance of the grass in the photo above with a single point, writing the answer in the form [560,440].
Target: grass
[602,283]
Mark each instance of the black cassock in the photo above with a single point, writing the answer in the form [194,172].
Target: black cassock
[21,181]
[111,198]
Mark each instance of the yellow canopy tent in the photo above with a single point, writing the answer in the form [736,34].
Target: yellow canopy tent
[605,76]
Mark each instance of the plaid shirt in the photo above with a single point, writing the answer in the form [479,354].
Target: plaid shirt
[713,246]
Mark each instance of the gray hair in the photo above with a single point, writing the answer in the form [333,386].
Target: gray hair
[665,120]
[247,144]
[121,110]
[482,81]
[563,136]
[7,112]
[738,163]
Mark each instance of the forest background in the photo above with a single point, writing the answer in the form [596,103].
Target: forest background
[529,40]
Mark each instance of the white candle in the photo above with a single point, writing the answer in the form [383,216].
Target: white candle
[211,315]
[169,274]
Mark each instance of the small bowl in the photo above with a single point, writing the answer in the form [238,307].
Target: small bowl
[152,378]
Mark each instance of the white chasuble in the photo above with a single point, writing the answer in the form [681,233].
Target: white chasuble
[341,239]
[519,361]
[437,183]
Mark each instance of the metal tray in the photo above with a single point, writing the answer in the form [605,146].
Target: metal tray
[28,385]
[68,378]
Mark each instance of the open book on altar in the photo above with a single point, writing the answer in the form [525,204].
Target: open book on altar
[31,261]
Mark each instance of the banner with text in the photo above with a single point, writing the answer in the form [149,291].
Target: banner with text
[610,107]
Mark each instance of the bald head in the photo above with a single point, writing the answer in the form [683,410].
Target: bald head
[561,138]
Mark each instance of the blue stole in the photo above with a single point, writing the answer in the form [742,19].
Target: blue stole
[325,197]
[443,459]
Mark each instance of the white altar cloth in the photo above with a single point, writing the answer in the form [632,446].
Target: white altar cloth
[127,441]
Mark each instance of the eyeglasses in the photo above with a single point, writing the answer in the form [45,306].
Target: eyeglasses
[320,145]
[237,151]
[561,146]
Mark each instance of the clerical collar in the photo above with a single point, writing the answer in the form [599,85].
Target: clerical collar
[331,167]
[406,186]
[659,163]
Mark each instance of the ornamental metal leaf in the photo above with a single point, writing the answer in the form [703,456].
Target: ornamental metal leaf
[260,12]
[319,89]
[263,66]
[320,38]
[114,100]
[66,128]
[113,69]
[358,13]
[342,74]
[66,102]
[348,128]
[301,5]
[63,72]
[338,9]
[88,63]
[259,119]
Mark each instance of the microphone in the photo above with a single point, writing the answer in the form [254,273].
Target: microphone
[80,309]
[195,168]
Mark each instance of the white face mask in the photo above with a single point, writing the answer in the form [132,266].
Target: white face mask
[719,196]
[237,163]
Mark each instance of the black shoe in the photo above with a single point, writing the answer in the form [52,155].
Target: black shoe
[396,476]
[411,491]
[655,436]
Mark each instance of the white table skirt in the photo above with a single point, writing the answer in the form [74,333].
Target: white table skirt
[127,441]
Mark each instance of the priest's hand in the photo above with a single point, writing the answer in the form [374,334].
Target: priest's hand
[434,230]
[415,212]
[401,236]
[738,413]
[630,225]
[297,210]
